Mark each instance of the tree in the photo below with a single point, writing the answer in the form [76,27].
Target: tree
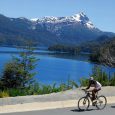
[19,72]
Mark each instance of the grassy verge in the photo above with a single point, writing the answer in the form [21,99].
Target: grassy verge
[37,89]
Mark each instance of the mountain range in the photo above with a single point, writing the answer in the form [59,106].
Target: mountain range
[47,31]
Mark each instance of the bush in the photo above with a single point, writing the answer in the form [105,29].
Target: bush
[4,94]
[112,80]
[84,82]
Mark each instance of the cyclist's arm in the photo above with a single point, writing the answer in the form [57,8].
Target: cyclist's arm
[89,85]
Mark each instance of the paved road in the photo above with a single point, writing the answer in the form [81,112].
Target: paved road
[109,110]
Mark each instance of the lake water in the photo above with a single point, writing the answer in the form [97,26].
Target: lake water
[56,67]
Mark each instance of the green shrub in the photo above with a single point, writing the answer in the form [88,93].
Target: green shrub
[112,81]
[84,82]
[4,94]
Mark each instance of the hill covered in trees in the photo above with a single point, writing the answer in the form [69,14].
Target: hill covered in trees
[105,54]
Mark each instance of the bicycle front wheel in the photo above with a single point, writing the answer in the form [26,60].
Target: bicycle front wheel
[83,103]
[101,102]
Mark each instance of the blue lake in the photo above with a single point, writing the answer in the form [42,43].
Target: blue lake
[56,68]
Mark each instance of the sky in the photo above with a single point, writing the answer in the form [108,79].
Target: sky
[100,12]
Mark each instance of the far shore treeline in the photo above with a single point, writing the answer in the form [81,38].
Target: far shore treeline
[101,51]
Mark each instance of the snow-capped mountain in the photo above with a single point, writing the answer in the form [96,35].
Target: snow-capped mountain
[70,30]
[77,18]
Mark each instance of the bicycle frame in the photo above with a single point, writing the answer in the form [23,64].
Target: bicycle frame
[89,95]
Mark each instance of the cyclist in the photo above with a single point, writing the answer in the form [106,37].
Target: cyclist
[97,87]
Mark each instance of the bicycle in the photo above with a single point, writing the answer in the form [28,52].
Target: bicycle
[84,102]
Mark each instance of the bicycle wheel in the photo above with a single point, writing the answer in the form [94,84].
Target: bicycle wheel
[83,103]
[101,102]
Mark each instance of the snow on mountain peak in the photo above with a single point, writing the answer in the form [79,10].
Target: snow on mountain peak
[80,17]
[77,18]
[34,19]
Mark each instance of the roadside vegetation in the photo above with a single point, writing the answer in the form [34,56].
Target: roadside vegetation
[106,79]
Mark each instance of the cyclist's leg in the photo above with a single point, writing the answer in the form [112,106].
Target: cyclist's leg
[94,91]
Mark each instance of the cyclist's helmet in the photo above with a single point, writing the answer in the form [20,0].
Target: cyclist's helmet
[91,79]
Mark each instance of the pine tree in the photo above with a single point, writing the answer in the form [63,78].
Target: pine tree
[19,72]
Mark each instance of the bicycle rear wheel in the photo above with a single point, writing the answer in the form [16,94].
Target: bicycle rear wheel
[101,102]
[83,103]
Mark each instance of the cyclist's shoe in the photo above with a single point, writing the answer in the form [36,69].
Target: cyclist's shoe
[94,103]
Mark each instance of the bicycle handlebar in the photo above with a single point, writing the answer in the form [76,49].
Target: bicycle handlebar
[85,90]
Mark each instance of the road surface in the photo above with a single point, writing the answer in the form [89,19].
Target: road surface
[109,110]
